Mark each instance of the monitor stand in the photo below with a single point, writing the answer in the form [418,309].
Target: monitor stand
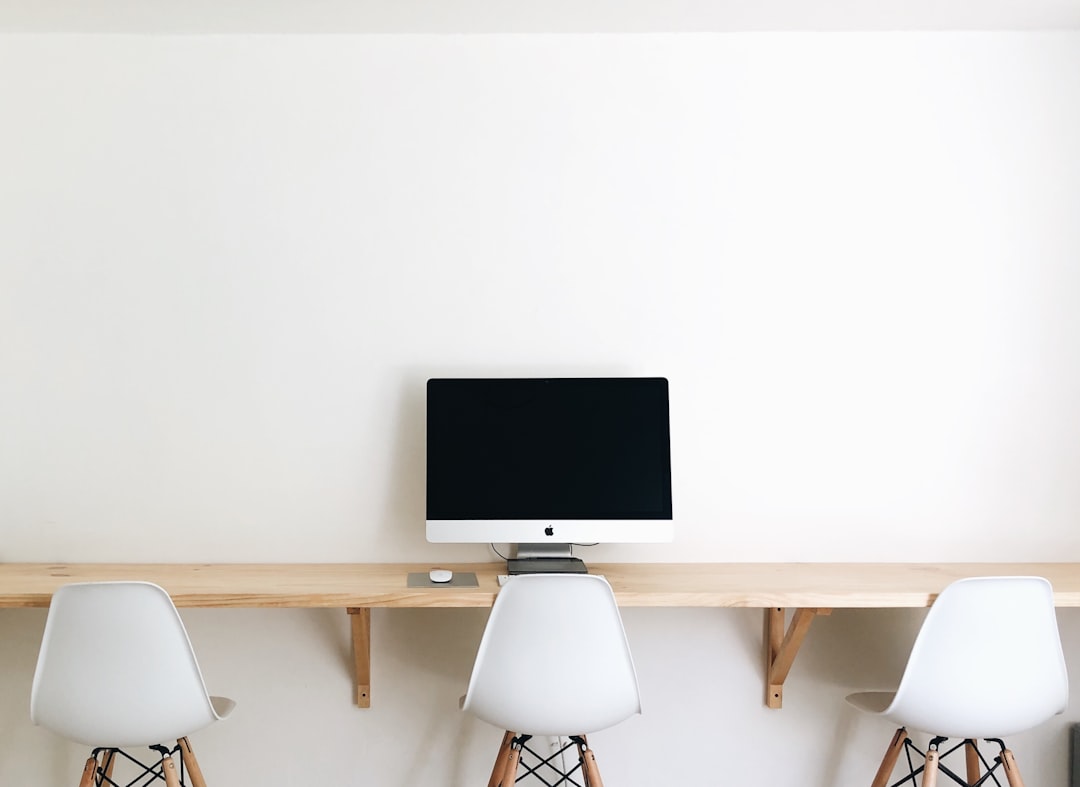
[545,559]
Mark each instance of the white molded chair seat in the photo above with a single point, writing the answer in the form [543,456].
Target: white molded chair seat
[987,663]
[116,670]
[553,661]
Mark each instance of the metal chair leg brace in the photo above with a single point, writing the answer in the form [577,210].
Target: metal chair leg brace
[520,744]
[932,764]
[102,761]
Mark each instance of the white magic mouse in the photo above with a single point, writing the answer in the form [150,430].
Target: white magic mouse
[440,575]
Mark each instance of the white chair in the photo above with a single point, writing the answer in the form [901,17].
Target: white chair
[553,661]
[987,663]
[116,670]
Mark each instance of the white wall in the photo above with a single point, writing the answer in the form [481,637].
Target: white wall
[227,265]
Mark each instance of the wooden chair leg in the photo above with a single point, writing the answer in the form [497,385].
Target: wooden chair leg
[190,763]
[888,762]
[168,769]
[588,764]
[930,771]
[88,772]
[108,762]
[971,754]
[510,773]
[1012,773]
[592,770]
[500,760]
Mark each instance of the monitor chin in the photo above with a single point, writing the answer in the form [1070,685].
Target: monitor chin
[565,531]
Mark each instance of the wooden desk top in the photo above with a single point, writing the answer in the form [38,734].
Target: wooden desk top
[333,585]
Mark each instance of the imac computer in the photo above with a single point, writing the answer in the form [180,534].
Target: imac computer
[543,464]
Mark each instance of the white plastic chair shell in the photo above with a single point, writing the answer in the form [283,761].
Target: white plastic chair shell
[116,668]
[554,659]
[987,663]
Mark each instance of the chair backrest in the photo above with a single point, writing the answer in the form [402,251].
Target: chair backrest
[987,661]
[116,668]
[554,659]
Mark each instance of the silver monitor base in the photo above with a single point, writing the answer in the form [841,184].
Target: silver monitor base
[545,559]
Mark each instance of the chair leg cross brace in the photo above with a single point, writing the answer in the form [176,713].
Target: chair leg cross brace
[505,772]
[978,769]
[100,774]
[781,648]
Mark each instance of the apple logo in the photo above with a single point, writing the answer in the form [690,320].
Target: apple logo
[549,531]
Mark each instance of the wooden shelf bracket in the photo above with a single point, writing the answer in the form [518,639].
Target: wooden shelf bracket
[360,622]
[781,647]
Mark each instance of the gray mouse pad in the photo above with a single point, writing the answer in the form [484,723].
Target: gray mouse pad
[465,579]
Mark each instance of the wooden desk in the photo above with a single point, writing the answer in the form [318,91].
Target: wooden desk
[809,588]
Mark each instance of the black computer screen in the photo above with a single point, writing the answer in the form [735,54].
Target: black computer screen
[557,448]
